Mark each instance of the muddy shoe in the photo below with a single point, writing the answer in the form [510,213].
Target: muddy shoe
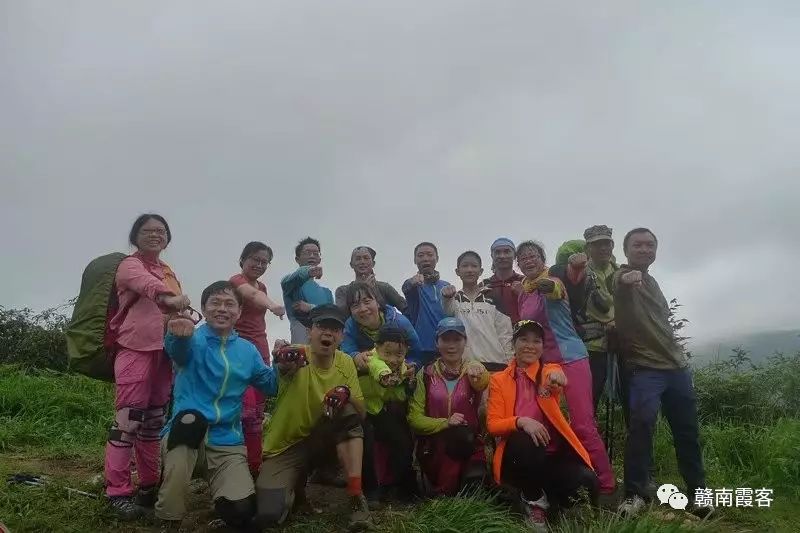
[535,513]
[125,507]
[360,518]
[146,497]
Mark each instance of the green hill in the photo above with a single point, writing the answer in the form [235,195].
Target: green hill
[760,345]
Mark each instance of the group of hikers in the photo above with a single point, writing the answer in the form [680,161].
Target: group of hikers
[375,384]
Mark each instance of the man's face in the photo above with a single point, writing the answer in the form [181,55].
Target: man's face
[222,310]
[425,258]
[503,257]
[600,251]
[325,336]
[469,270]
[530,261]
[641,250]
[362,262]
[451,346]
[528,348]
[309,255]
[393,354]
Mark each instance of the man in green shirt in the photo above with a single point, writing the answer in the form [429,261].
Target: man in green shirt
[659,377]
[317,418]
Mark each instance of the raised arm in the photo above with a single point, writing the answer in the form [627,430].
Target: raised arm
[133,275]
[393,298]
[264,377]
[292,282]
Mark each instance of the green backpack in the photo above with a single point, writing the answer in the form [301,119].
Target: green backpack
[91,344]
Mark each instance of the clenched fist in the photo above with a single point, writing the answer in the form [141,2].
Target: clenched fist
[449,291]
[634,277]
[181,327]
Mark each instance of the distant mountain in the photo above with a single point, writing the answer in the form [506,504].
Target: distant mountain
[760,345]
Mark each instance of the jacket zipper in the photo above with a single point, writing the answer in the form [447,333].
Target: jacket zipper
[224,380]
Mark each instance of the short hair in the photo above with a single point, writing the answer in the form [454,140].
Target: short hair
[307,240]
[219,287]
[539,247]
[467,254]
[371,251]
[141,221]
[634,232]
[426,243]
[253,248]
[358,290]
[389,333]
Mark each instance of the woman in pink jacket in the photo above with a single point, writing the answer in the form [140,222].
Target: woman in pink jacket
[148,293]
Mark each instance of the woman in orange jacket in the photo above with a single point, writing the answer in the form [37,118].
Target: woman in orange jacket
[537,453]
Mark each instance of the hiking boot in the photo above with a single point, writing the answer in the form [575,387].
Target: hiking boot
[125,507]
[169,525]
[360,518]
[535,513]
[632,506]
[147,496]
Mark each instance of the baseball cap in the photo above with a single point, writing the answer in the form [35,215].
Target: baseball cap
[450,323]
[329,313]
[527,325]
[597,233]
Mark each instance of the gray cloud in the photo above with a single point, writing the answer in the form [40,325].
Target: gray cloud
[389,124]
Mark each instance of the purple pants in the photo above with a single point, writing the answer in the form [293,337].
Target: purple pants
[143,382]
[578,394]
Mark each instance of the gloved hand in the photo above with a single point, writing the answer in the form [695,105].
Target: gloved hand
[335,399]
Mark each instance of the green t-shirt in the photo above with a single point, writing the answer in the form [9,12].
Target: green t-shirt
[298,407]
[375,395]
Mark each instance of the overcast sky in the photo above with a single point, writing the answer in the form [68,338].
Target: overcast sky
[390,123]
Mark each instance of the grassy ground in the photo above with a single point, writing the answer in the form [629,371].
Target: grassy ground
[55,424]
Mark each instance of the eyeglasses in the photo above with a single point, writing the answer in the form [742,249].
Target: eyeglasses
[156,231]
[259,262]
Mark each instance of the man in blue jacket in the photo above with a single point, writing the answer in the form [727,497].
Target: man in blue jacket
[301,292]
[213,367]
[423,292]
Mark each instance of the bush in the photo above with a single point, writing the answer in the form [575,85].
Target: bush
[34,340]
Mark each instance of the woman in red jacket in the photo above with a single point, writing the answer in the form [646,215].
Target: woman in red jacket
[538,453]
[148,292]
[252,325]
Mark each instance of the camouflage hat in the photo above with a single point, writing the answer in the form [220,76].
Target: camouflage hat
[597,233]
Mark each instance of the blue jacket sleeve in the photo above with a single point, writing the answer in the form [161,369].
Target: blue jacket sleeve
[349,345]
[412,301]
[264,377]
[292,282]
[179,349]
[414,346]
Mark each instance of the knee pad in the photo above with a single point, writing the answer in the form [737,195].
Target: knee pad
[153,422]
[189,428]
[273,506]
[127,421]
[459,442]
[236,513]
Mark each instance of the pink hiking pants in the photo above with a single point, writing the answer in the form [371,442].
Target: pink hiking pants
[143,382]
[578,393]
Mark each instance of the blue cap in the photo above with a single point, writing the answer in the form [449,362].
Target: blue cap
[450,323]
[503,241]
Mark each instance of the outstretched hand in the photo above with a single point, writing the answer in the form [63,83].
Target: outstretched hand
[181,327]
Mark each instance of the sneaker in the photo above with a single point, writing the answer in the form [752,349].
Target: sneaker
[147,496]
[535,513]
[632,506]
[360,518]
[125,507]
[702,511]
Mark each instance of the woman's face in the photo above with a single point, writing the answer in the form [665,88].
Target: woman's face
[451,346]
[365,311]
[528,348]
[530,261]
[255,265]
[152,237]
